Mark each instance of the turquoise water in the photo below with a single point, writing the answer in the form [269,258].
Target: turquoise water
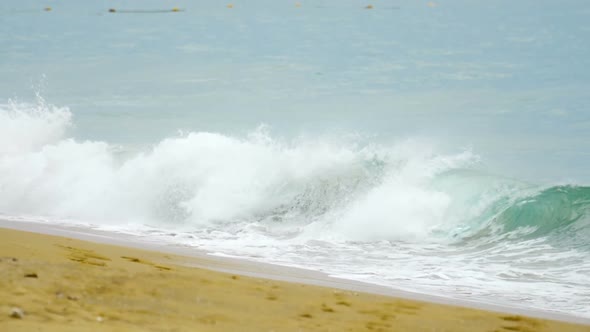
[431,146]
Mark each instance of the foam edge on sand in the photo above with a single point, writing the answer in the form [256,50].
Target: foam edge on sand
[53,283]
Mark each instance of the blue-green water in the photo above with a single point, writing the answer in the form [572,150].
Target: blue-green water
[431,146]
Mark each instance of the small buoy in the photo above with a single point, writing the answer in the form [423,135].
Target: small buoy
[47,9]
[112,10]
[369,7]
[229,5]
[298,4]
[431,4]
[175,9]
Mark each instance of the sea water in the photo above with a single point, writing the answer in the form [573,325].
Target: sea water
[439,147]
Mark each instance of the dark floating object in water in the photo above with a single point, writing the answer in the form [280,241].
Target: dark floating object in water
[146,11]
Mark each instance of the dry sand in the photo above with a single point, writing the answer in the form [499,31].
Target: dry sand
[51,283]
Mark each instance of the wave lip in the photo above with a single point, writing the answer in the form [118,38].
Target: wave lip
[561,213]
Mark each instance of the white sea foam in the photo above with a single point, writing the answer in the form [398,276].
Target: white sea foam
[400,215]
[28,127]
[208,178]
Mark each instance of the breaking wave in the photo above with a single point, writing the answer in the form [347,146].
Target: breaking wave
[315,188]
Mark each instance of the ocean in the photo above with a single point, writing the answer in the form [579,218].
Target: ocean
[439,147]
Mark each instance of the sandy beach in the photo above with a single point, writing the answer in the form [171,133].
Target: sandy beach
[53,283]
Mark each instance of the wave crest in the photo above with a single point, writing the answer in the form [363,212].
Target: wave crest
[318,187]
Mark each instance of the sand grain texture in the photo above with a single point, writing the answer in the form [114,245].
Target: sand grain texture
[62,284]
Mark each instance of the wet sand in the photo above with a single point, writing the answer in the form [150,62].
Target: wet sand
[53,283]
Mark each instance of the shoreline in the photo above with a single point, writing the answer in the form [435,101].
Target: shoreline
[197,258]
